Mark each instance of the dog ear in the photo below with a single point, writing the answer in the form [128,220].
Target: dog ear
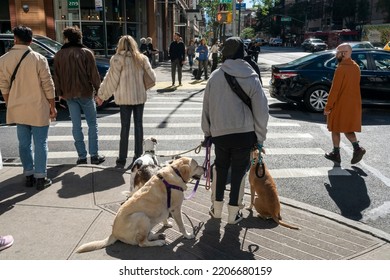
[153,140]
[185,172]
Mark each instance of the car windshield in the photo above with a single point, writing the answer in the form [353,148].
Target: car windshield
[53,45]
[317,41]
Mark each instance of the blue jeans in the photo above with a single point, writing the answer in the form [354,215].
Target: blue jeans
[191,60]
[125,113]
[36,164]
[88,106]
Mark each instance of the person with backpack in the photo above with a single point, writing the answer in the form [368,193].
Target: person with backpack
[233,126]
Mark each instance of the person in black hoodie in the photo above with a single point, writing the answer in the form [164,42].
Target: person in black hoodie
[177,53]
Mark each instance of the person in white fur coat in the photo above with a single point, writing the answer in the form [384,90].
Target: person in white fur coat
[124,80]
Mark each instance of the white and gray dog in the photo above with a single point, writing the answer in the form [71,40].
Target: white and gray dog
[148,158]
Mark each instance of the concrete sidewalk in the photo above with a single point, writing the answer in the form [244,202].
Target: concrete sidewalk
[80,206]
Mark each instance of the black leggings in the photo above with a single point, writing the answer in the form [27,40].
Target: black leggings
[232,151]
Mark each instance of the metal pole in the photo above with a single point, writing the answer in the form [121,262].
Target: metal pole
[239,21]
[234,17]
[105,29]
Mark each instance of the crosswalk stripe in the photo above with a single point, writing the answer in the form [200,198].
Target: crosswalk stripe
[175,137]
[308,172]
[169,125]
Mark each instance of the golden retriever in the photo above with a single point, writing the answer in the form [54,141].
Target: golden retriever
[264,195]
[149,206]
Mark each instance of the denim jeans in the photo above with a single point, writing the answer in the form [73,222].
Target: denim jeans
[125,114]
[232,151]
[191,60]
[33,164]
[88,106]
[203,64]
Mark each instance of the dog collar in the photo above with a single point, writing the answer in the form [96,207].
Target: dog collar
[169,188]
[178,173]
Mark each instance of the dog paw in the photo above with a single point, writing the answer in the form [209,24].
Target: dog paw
[167,224]
[161,236]
[189,235]
[160,242]
[250,207]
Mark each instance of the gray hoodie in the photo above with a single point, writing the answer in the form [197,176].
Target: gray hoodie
[224,112]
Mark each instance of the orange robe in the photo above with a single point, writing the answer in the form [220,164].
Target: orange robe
[344,100]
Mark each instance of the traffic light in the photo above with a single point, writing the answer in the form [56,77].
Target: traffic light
[224,17]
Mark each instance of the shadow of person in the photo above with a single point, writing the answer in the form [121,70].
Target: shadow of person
[13,190]
[99,180]
[349,193]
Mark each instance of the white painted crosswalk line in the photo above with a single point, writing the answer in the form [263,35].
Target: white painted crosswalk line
[176,137]
[173,125]
[308,172]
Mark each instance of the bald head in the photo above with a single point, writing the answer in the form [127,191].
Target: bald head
[345,50]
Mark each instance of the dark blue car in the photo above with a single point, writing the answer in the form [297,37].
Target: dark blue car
[308,79]
[48,48]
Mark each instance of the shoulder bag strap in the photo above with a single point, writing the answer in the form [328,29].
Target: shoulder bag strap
[17,67]
[235,86]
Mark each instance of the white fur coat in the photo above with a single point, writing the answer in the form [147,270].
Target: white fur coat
[125,81]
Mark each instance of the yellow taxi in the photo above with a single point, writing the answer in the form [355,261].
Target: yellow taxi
[387,46]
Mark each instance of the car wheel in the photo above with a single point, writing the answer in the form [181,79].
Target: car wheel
[316,98]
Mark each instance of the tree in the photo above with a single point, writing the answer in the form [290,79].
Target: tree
[247,33]
[342,12]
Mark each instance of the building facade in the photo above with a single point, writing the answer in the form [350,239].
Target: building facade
[158,19]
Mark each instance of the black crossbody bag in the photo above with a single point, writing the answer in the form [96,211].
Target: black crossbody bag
[17,67]
[235,86]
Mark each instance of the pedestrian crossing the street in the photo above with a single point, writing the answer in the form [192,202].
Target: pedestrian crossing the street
[175,123]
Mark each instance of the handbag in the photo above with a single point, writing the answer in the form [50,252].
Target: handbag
[148,81]
[17,67]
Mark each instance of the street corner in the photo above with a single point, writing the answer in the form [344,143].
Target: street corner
[162,87]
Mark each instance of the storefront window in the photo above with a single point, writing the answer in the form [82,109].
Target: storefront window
[5,23]
[122,17]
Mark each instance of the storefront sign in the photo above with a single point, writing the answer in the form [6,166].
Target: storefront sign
[73,4]
[98,5]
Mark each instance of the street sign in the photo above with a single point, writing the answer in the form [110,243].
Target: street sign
[285,19]
[241,6]
[226,1]
[73,4]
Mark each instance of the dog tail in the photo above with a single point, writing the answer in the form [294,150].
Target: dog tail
[280,222]
[96,245]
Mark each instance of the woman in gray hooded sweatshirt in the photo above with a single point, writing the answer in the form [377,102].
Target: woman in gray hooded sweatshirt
[233,127]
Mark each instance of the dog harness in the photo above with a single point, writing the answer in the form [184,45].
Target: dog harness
[153,156]
[169,187]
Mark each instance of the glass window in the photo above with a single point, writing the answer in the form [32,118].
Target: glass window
[361,60]
[382,61]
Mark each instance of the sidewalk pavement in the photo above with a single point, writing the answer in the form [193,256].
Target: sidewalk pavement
[80,206]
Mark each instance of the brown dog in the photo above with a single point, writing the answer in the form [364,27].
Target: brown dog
[152,203]
[264,195]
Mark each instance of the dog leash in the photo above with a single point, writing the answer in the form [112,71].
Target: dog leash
[206,167]
[196,149]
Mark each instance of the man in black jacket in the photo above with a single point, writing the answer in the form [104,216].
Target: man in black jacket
[177,54]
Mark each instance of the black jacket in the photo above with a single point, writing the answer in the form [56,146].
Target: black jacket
[177,50]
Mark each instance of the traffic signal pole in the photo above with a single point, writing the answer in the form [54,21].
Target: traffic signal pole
[234,18]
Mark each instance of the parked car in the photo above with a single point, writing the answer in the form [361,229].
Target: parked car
[387,46]
[48,48]
[314,45]
[308,79]
[276,42]
[361,45]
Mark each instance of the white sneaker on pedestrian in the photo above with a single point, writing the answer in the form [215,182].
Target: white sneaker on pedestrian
[6,241]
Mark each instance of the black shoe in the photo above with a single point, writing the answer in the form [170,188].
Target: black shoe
[120,162]
[97,159]
[333,156]
[43,183]
[30,181]
[358,155]
[81,161]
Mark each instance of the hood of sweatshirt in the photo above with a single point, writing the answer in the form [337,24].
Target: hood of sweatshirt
[238,68]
